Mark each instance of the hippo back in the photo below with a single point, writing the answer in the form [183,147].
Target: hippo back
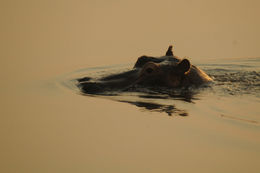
[141,61]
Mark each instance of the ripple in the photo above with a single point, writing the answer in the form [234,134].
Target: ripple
[229,80]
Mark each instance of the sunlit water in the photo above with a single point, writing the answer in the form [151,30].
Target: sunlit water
[49,125]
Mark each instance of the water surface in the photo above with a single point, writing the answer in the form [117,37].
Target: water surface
[47,125]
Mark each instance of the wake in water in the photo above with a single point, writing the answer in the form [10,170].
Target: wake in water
[238,83]
[233,78]
[236,77]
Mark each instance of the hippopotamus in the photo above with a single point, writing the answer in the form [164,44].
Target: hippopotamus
[167,71]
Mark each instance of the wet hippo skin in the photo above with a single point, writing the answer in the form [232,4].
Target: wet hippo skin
[165,71]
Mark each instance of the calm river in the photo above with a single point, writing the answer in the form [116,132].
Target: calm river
[48,125]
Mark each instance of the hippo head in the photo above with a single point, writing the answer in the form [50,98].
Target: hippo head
[168,72]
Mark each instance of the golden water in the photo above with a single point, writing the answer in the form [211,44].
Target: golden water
[46,127]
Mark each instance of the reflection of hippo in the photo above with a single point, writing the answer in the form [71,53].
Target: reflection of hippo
[166,71]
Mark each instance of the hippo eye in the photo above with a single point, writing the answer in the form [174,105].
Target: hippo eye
[149,70]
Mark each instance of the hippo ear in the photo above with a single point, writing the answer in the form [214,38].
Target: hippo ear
[184,66]
[169,51]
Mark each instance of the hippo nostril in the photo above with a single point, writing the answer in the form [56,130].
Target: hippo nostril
[149,70]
